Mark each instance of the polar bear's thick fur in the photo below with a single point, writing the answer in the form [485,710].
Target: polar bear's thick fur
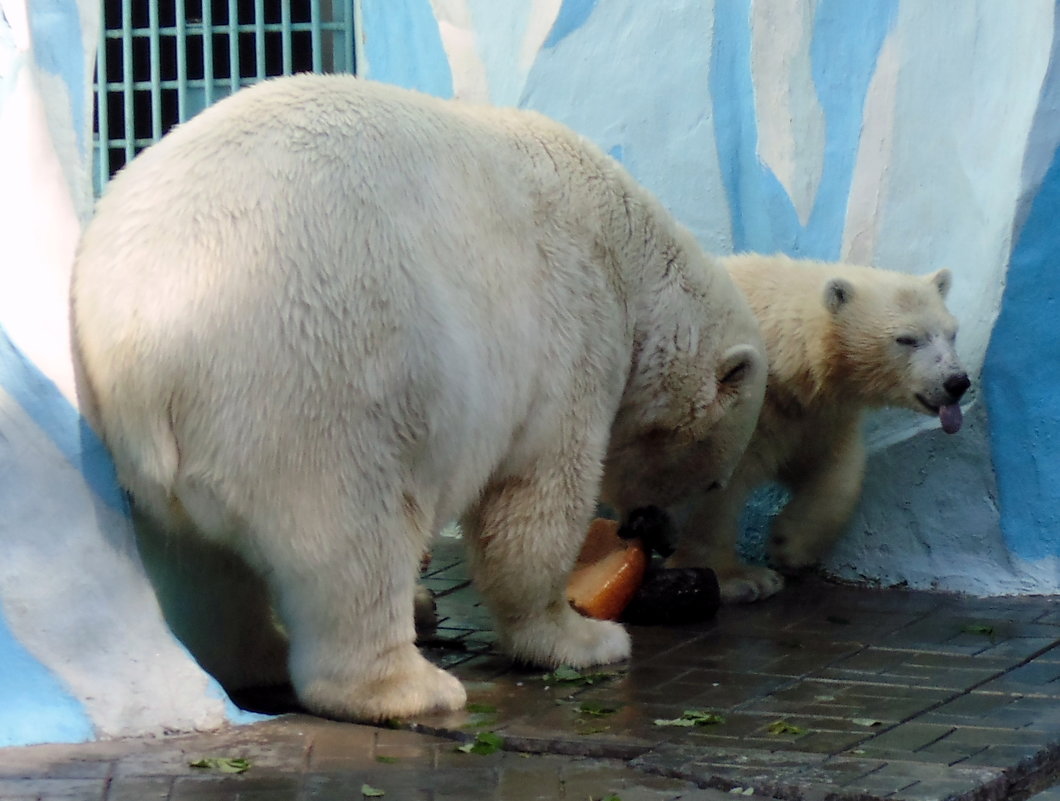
[841,339]
[327,316]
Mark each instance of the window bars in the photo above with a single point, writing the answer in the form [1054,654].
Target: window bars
[160,62]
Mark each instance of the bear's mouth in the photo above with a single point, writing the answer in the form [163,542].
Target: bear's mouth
[932,409]
[949,414]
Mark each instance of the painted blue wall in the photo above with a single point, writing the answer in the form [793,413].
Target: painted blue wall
[55,26]
[393,29]
[49,409]
[846,41]
[1020,369]
[35,707]
[84,650]
[572,15]
[1020,378]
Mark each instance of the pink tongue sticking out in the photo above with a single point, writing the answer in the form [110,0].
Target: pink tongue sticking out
[951,418]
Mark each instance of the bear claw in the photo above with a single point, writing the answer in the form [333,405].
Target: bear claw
[750,584]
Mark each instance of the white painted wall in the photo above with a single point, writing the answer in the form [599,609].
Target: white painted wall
[84,650]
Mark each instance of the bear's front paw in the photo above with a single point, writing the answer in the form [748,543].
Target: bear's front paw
[746,584]
[409,686]
[565,638]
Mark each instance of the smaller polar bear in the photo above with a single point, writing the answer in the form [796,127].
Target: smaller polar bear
[840,339]
[327,316]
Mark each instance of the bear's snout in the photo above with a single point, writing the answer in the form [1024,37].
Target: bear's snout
[956,385]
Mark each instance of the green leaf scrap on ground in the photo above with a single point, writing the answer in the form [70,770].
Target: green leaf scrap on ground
[562,674]
[611,797]
[783,727]
[692,717]
[223,764]
[485,743]
[482,716]
[367,791]
[565,674]
[596,709]
[978,628]
[386,760]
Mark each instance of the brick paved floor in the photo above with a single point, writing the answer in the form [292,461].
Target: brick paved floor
[824,692]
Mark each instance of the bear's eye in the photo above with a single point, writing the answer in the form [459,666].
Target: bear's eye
[909,342]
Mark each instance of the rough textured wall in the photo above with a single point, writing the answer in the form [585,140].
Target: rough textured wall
[899,133]
[84,651]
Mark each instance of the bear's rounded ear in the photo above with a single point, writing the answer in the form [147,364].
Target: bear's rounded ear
[942,280]
[737,365]
[837,293]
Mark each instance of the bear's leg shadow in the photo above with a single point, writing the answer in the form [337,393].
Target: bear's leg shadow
[709,537]
[215,603]
[343,566]
[823,498]
[524,537]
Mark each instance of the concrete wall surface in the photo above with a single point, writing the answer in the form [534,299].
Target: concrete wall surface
[84,650]
[906,134]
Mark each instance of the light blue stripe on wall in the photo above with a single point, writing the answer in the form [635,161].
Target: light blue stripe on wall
[734,116]
[55,26]
[572,15]
[499,51]
[63,424]
[846,42]
[399,28]
[847,38]
[36,707]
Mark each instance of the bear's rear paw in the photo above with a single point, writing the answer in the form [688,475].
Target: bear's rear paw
[747,584]
[789,556]
[566,638]
[410,686]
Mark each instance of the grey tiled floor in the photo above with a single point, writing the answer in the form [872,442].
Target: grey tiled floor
[824,692]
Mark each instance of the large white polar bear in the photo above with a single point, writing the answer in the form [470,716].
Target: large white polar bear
[327,316]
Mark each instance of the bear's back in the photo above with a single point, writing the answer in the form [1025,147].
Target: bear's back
[350,240]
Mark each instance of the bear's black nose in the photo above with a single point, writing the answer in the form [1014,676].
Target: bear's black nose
[957,384]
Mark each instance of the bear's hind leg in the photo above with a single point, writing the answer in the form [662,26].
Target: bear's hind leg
[344,573]
[524,537]
[822,501]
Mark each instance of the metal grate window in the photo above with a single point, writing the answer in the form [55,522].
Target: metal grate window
[160,62]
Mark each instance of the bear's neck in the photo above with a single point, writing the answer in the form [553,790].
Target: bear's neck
[808,370]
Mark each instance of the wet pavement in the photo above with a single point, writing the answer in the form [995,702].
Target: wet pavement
[823,692]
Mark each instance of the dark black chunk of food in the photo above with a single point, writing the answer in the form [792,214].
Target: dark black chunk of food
[671,596]
[652,526]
